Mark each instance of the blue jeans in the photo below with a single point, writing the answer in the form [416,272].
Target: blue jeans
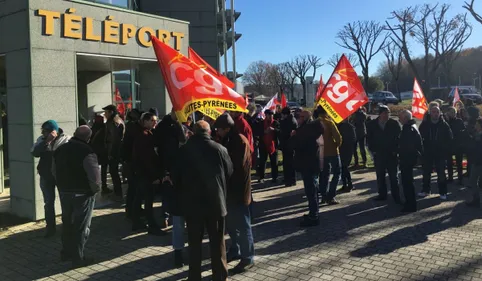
[311,192]
[331,163]
[47,185]
[76,219]
[238,222]
[178,224]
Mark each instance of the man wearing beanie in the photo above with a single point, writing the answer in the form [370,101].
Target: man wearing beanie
[52,138]
[382,136]
[238,220]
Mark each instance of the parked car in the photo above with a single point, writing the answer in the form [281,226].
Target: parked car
[383,97]
[467,93]
[293,105]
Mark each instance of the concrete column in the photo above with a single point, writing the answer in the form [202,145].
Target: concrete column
[153,92]
[50,94]
[94,92]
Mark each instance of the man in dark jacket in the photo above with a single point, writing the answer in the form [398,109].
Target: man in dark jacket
[78,178]
[460,140]
[288,124]
[133,131]
[148,170]
[476,173]
[348,137]
[382,136]
[437,137]
[114,133]
[410,148]
[202,174]
[170,136]
[238,221]
[307,142]
[52,138]
[359,121]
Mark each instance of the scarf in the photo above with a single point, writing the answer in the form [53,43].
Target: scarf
[268,138]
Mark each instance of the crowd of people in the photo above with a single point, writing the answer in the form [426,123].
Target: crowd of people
[202,169]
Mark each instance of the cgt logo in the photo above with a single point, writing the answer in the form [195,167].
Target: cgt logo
[340,92]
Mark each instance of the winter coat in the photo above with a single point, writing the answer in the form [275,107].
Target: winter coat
[169,135]
[97,143]
[308,146]
[383,141]
[359,121]
[331,137]
[347,147]
[437,137]
[202,173]
[460,135]
[287,125]
[477,149]
[114,134]
[239,185]
[410,144]
[133,131]
[145,161]
[245,129]
[42,150]
[76,168]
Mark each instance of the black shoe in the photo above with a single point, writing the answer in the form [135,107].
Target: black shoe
[475,203]
[408,210]
[50,232]
[333,202]
[139,226]
[323,200]
[380,198]
[178,260]
[231,257]
[65,256]
[106,191]
[309,222]
[83,263]
[155,231]
[242,266]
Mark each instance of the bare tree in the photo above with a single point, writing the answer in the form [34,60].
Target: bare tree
[289,77]
[394,62]
[453,34]
[315,63]
[440,37]
[300,66]
[470,8]
[402,30]
[364,38]
[333,61]
[257,75]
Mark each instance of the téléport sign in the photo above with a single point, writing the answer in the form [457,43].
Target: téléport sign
[77,27]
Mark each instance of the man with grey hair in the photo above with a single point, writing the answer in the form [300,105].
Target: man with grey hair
[202,173]
[77,174]
[409,148]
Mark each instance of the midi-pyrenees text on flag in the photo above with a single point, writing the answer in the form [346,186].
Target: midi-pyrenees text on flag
[192,88]
[343,93]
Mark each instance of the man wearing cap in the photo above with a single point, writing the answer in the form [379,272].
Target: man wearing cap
[52,138]
[114,133]
[238,220]
[267,147]
[382,136]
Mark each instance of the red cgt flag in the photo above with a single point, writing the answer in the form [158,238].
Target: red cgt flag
[284,102]
[192,88]
[419,103]
[344,93]
[204,65]
[121,108]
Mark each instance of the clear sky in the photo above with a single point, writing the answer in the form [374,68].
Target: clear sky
[277,30]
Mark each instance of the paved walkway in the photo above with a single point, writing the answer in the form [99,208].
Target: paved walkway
[358,240]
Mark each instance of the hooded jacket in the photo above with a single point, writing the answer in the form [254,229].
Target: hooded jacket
[45,151]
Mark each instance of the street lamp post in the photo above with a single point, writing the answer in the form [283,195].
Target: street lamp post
[387,83]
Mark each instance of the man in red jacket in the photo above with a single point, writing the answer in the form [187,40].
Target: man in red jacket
[243,127]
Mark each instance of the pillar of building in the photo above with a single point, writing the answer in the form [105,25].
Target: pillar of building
[94,90]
